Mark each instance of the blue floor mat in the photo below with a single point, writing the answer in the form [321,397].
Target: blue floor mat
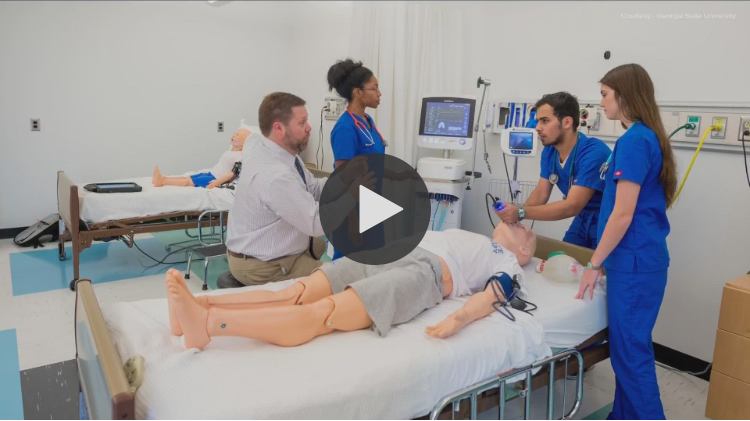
[41,270]
[11,401]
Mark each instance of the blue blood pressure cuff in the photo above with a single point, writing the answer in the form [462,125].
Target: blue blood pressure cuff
[506,291]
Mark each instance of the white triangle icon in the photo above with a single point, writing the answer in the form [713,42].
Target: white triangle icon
[374,209]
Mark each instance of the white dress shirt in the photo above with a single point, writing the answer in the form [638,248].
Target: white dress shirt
[274,212]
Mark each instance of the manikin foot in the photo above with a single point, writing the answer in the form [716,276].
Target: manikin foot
[449,326]
[191,315]
[158,179]
[174,322]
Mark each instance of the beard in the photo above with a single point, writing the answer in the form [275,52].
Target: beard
[298,145]
[554,142]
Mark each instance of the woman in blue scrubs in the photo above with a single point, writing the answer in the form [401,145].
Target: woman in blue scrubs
[640,183]
[355,134]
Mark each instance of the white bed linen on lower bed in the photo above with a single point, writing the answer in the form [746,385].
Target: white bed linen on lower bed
[101,207]
[344,375]
[351,375]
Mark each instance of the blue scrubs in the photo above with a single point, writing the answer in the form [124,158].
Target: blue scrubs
[636,274]
[591,153]
[348,141]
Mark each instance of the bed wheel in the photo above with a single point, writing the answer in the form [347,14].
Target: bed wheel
[73,285]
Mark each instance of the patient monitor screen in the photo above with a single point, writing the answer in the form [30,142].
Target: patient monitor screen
[522,140]
[447,119]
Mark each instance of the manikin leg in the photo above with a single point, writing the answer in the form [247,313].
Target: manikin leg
[284,325]
[159,180]
[307,291]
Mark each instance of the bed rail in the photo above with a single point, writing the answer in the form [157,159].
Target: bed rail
[472,392]
[106,392]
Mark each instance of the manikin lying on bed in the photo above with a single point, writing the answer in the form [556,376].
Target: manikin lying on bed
[222,172]
[346,295]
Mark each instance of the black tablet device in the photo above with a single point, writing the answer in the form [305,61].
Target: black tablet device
[113,187]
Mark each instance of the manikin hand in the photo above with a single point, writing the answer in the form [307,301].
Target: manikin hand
[213,184]
[509,215]
[368,181]
[355,167]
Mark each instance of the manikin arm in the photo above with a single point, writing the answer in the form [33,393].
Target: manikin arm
[221,180]
[478,306]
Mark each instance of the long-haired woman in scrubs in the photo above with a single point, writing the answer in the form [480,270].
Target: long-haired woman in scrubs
[640,183]
[355,134]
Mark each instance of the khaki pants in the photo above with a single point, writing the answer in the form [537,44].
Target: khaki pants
[251,271]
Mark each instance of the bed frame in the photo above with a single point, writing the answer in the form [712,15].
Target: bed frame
[82,234]
[107,395]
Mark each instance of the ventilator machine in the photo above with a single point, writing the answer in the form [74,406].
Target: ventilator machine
[445,123]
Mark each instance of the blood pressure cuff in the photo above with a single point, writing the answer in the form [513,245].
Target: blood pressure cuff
[506,282]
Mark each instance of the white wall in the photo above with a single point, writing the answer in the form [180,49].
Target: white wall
[322,30]
[128,85]
[529,49]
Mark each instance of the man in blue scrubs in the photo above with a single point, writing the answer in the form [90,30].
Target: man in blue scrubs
[571,161]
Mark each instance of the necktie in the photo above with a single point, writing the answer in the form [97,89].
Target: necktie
[302,174]
[299,170]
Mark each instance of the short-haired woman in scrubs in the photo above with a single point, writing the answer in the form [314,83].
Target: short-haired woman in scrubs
[355,134]
[640,183]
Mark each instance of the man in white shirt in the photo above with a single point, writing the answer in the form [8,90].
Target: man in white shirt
[346,295]
[274,225]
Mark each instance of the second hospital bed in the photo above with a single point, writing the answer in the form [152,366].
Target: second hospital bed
[344,375]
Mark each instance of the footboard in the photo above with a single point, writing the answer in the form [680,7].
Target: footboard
[106,392]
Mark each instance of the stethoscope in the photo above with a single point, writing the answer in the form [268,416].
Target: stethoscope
[554,178]
[605,166]
[366,131]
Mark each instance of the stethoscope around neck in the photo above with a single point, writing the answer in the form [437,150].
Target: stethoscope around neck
[554,178]
[366,131]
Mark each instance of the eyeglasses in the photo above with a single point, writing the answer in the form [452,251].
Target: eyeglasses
[370,89]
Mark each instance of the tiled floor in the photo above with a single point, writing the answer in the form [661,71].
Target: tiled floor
[43,326]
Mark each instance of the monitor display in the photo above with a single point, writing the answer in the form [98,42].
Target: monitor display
[447,119]
[522,141]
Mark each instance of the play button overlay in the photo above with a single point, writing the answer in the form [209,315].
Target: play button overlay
[374,209]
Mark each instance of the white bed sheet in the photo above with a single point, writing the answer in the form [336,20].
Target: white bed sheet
[350,375]
[100,207]
[567,322]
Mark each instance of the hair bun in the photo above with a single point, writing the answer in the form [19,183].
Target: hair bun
[339,72]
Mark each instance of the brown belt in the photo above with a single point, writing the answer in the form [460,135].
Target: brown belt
[239,255]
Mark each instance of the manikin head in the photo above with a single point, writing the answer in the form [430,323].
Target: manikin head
[557,117]
[238,139]
[283,120]
[517,238]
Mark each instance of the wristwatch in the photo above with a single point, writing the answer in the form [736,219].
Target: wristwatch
[592,267]
[521,214]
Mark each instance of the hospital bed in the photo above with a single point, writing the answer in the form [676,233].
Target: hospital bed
[88,216]
[347,375]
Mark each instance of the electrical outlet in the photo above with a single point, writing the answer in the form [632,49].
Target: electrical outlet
[36,125]
[697,130]
[333,108]
[220,126]
[744,135]
[719,134]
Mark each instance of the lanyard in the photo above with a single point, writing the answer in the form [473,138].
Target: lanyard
[366,131]
[554,177]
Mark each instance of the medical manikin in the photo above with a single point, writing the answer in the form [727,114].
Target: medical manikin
[346,295]
[226,170]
